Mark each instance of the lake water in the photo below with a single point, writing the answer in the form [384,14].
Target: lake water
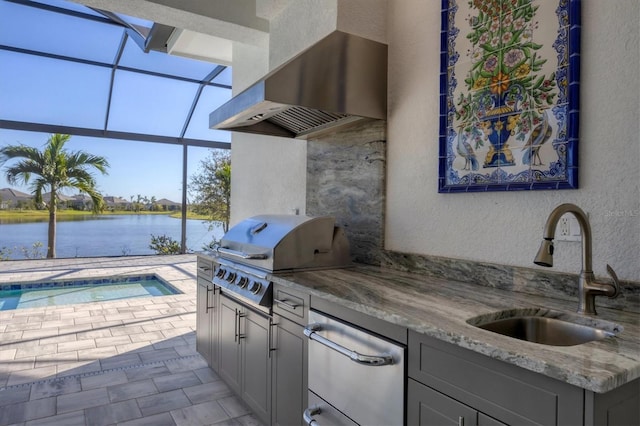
[117,235]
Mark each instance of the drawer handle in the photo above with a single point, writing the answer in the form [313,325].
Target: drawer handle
[286,303]
[308,414]
[204,268]
[206,311]
[370,360]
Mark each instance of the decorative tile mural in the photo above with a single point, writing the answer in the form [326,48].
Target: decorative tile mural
[509,87]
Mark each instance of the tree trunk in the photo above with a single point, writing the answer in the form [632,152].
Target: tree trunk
[51,245]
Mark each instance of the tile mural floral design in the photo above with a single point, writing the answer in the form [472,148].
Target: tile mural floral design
[509,94]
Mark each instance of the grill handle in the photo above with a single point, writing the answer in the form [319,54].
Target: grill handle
[369,360]
[240,254]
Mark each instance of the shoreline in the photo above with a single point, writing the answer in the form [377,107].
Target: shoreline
[33,216]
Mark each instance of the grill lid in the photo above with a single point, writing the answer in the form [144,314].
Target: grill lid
[286,242]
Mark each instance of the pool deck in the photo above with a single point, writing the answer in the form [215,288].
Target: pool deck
[123,362]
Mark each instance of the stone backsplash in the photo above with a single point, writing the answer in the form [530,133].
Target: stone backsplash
[346,179]
[513,278]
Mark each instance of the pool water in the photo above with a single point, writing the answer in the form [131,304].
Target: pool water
[34,295]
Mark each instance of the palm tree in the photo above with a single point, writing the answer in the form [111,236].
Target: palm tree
[56,169]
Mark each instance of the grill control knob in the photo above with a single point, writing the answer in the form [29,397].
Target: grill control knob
[243,281]
[220,273]
[255,287]
[231,277]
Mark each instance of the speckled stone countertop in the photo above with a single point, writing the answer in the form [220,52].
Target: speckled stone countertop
[440,309]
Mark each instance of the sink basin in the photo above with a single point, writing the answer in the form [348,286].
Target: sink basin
[545,329]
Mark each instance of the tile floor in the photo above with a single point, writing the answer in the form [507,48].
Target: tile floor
[125,362]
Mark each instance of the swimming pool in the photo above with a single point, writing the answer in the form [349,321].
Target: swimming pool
[55,293]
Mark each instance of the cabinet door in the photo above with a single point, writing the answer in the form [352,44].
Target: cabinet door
[427,407]
[289,373]
[203,319]
[256,363]
[214,325]
[502,391]
[229,341]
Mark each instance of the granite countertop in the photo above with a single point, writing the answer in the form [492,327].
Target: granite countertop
[440,309]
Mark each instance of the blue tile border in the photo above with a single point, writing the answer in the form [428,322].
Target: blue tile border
[89,282]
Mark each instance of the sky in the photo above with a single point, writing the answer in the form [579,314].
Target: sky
[43,90]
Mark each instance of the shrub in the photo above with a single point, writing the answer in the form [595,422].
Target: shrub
[163,244]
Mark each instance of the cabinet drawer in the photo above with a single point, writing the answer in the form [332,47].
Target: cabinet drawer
[291,304]
[205,268]
[503,391]
[427,407]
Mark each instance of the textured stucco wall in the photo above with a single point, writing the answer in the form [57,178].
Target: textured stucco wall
[506,228]
[268,175]
[298,26]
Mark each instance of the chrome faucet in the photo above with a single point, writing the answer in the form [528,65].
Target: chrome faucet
[588,288]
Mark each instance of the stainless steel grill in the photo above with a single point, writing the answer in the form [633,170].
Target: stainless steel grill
[262,245]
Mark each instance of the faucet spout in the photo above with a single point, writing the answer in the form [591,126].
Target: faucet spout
[588,289]
[585,229]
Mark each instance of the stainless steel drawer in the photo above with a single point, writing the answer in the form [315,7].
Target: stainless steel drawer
[359,373]
[205,268]
[323,414]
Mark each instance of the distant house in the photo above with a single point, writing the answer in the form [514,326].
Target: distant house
[78,202]
[115,203]
[11,198]
[169,205]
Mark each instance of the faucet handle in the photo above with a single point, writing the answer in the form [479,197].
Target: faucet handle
[616,283]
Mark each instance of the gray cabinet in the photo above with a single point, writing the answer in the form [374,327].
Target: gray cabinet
[447,383]
[245,362]
[289,353]
[203,319]
[256,362]
[229,343]
[263,360]
[426,406]
[289,373]
[207,301]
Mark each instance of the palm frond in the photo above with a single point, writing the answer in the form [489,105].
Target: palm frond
[37,188]
[11,152]
[81,159]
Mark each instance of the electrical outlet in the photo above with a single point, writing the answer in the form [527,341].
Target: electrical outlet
[568,229]
[564,226]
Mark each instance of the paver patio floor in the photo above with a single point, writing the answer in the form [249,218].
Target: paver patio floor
[123,362]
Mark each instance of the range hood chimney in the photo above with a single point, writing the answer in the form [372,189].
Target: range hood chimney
[339,80]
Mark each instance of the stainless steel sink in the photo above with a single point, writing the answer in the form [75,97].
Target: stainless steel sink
[545,330]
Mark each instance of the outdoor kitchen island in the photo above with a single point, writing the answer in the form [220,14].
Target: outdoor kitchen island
[459,372]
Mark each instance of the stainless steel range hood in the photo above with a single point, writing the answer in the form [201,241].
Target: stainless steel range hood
[339,80]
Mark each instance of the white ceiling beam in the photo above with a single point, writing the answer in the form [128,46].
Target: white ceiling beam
[233,20]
